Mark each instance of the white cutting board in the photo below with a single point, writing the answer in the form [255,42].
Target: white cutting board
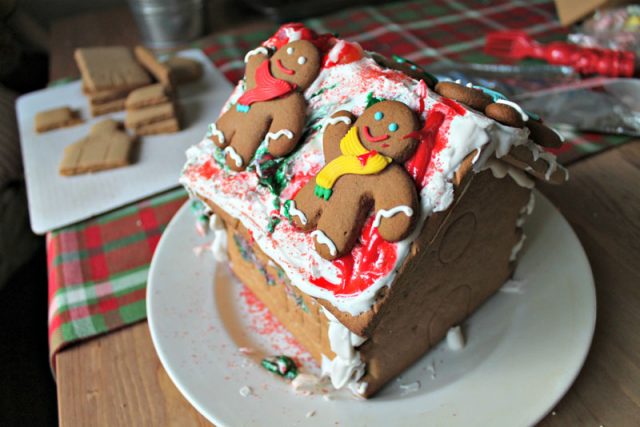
[56,201]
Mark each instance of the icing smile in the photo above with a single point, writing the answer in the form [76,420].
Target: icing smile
[372,138]
[283,68]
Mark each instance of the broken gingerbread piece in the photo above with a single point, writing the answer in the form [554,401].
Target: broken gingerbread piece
[56,118]
[106,147]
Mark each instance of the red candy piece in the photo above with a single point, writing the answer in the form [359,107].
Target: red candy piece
[347,53]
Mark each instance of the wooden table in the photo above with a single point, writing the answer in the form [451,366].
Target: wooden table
[117,379]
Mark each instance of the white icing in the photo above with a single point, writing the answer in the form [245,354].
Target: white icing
[346,368]
[500,169]
[334,53]
[410,388]
[557,133]
[382,213]
[297,212]
[517,248]
[219,243]
[275,135]
[234,155]
[323,239]
[525,116]
[245,391]
[292,35]
[214,131]
[455,338]
[335,120]
[289,50]
[256,51]
[513,287]
[526,211]
[302,60]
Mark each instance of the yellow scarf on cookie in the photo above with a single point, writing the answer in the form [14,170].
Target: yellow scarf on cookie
[355,159]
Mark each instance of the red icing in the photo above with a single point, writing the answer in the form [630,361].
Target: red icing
[350,52]
[207,170]
[267,87]
[283,68]
[371,138]
[371,259]
[418,164]
[364,158]
[454,105]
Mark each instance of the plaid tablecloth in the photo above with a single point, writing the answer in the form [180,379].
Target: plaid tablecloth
[98,268]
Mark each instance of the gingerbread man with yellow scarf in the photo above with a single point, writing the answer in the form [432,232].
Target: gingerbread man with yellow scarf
[363,173]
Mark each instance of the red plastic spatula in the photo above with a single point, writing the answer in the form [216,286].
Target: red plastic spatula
[517,45]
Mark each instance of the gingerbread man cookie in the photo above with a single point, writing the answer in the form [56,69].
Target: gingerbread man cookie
[272,106]
[363,172]
[496,106]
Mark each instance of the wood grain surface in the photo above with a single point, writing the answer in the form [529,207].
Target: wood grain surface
[117,379]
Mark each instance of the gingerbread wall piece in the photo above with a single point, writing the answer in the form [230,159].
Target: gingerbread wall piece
[272,105]
[363,172]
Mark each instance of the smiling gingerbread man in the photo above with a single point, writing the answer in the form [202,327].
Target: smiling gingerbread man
[272,105]
[363,172]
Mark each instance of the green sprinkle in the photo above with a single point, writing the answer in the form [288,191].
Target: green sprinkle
[281,365]
[372,100]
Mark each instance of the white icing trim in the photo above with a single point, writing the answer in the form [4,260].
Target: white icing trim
[391,212]
[256,51]
[346,368]
[517,248]
[276,135]
[234,156]
[526,211]
[557,133]
[500,169]
[525,116]
[297,212]
[323,239]
[214,131]
[335,120]
[219,243]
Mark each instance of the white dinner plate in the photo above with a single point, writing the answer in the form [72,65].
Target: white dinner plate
[524,348]
[56,201]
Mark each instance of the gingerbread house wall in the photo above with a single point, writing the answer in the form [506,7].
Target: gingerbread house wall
[455,268]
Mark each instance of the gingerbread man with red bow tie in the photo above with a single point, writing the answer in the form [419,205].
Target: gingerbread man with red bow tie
[272,107]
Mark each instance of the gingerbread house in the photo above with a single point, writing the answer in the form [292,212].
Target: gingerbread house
[371,289]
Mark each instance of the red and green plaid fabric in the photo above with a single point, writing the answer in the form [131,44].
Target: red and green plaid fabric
[98,268]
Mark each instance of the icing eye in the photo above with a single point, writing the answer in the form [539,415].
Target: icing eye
[378,115]
[302,60]
[413,67]
[290,51]
[393,127]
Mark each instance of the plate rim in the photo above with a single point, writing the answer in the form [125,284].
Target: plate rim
[579,357]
